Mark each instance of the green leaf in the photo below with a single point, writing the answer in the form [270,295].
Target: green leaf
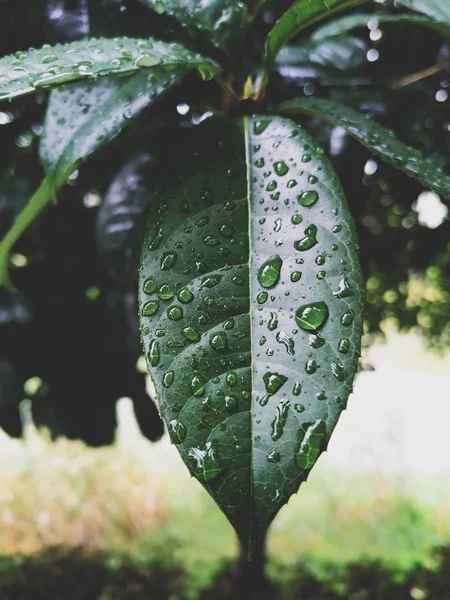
[345,24]
[343,53]
[50,66]
[299,16]
[376,138]
[436,9]
[81,118]
[250,310]
[221,20]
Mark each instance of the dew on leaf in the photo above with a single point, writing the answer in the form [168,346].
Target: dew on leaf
[279,422]
[166,292]
[260,125]
[154,353]
[175,313]
[345,290]
[211,281]
[347,318]
[231,403]
[344,346]
[191,334]
[299,408]
[308,198]
[297,389]
[197,385]
[150,285]
[273,382]
[310,444]
[207,464]
[338,371]
[177,431]
[261,298]
[296,276]
[150,308]
[291,183]
[280,168]
[271,186]
[168,260]
[316,341]
[312,179]
[168,378]
[211,240]
[203,221]
[273,322]
[274,457]
[311,317]
[231,379]
[288,342]
[308,241]
[185,295]
[311,367]
[269,272]
[296,219]
[218,340]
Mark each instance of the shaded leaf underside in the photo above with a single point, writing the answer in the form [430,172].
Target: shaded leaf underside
[250,383]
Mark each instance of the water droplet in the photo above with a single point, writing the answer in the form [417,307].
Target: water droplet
[277,225]
[211,240]
[321,395]
[274,456]
[177,431]
[306,157]
[336,229]
[271,186]
[269,271]
[308,241]
[299,408]
[166,292]
[320,275]
[168,378]
[231,379]
[49,59]
[344,346]
[219,340]
[154,353]
[168,260]
[226,230]
[296,276]
[280,168]
[273,382]
[312,179]
[259,163]
[160,332]
[280,419]
[308,198]
[316,340]
[203,221]
[345,290]
[296,219]
[175,313]
[208,300]
[288,342]
[229,324]
[338,371]
[297,389]
[191,334]
[147,60]
[291,183]
[237,280]
[310,445]
[211,281]
[320,259]
[260,125]
[150,308]
[185,295]
[273,322]
[231,403]
[311,316]
[197,385]
[347,318]
[311,367]
[262,297]
[150,285]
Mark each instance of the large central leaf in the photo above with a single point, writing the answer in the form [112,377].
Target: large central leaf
[251,310]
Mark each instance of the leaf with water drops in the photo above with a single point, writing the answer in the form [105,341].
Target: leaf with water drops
[376,138]
[436,9]
[222,21]
[252,355]
[300,15]
[44,68]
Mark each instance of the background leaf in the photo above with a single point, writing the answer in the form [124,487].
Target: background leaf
[301,14]
[50,66]
[221,20]
[436,9]
[250,310]
[377,138]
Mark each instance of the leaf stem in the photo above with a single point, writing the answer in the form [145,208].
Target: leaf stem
[35,205]
[419,75]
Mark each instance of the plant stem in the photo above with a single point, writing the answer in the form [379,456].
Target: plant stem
[428,72]
[251,582]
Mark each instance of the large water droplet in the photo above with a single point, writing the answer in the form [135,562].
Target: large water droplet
[261,298]
[273,382]
[311,367]
[308,198]
[218,340]
[185,295]
[211,281]
[231,379]
[191,334]
[296,276]
[166,292]
[283,338]
[150,285]
[273,322]
[338,371]
[345,290]
[197,385]
[280,419]
[296,219]
[310,445]
[150,308]
[154,353]
[207,464]
[168,378]
[274,457]
[347,318]
[175,313]
[344,345]
[168,260]
[311,317]
[177,431]
[280,168]
[269,271]
[308,241]
[231,403]
[260,125]
[147,60]
[316,341]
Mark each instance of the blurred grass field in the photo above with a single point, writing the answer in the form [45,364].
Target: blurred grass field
[381,492]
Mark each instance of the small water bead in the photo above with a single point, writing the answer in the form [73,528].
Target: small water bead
[262,340]
[273,382]
[274,457]
[150,285]
[321,275]
[207,464]
[297,389]
[211,281]
[197,385]
[260,125]
[237,280]
[176,344]
[271,186]
[166,292]
[273,322]
[291,183]
[347,318]
[316,341]
[160,332]
[280,168]
[259,163]
[308,198]
[334,247]
[168,260]
[309,241]
[288,342]
[229,324]
[345,290]
[320,259]
[231,403]
[147,60]
[306,157]
[296,219]
[203,221]
[150,308]
[191,334]
[311,317]
[177,431]
[231,379]
[226,230]
[336,229]
[311,367]
[168,379]
[296,276]
[310,445]
[211,240]
[299,408]
[154,353]
[279,422]
[270,352]
[269,272]
[321,395]
[277,225]
[219,340]
[344,346]
[312,179]
[261,298]
[185,295]
[338,371]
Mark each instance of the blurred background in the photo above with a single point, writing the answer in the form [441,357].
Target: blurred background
[94,502]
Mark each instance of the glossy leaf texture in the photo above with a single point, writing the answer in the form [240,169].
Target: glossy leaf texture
[341,53]
[81,118]
[344,24]
[50,66]
[376,138]
[300,15]
[436,9]
[221,20]
[250,310]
